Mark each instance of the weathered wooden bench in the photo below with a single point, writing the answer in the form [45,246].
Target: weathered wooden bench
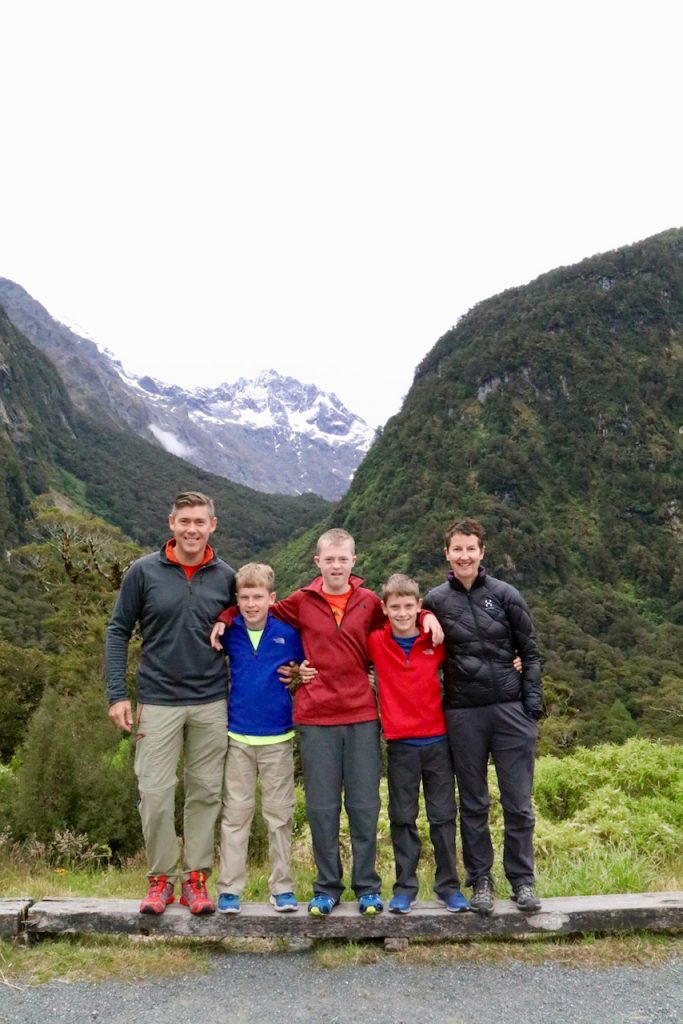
[659,911]
[13,916]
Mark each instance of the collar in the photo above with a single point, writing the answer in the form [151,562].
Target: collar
[316,585]
[478,582]
[169,551]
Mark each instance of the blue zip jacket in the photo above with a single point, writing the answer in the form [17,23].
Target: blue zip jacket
[259,703]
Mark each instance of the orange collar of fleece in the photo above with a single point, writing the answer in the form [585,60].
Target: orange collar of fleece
[189,570]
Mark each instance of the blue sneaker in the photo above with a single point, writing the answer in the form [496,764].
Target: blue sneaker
[322,904]
[455,902]
[284,902]
[370,903]
[228,903]
[401,903]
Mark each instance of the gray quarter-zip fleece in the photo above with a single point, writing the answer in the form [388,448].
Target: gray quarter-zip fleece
[177,664]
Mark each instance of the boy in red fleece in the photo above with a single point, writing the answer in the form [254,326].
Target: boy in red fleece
[407,667]
[336,712]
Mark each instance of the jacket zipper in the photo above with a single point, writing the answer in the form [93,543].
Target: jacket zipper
[473,607]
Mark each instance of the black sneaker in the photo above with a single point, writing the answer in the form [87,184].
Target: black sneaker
[481,901]
[526,899]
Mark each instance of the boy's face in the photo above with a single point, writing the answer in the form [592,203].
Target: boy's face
[253,603]
[464,554]
[402,614]
[335,562]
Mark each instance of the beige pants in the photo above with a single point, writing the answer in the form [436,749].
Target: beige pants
[163,733]
[274,763]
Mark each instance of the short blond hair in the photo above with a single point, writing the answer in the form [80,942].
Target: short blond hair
[400,585]
[255,574]
[335,536]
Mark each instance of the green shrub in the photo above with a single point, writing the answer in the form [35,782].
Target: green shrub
[639,768]
[76,774]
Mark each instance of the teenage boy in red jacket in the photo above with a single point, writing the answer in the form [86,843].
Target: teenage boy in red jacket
[337,717]
[407,666]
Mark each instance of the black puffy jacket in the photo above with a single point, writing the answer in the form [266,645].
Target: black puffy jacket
[484,628]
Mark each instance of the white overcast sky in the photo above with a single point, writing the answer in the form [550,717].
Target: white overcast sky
[209,189]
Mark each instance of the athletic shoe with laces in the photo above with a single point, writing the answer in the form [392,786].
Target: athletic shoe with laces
[228,903]
[526,899]
[370,903]
[195,895]
[455,902]
[401,903]
[481,901]
[322,904]
[159,895]
[284,902]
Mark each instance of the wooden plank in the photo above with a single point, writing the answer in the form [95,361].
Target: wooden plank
[558,916]
[12,914]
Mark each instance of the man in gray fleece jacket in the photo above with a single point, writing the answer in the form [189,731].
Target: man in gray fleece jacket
[175,595]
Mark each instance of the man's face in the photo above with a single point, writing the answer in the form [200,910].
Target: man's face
[402,614]
[191,528]
[335,562]
[464,555]
[253,603]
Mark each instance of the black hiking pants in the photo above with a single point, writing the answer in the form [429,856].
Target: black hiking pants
[508,735]
[407,766]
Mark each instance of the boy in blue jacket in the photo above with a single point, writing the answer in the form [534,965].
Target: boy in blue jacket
[260,735]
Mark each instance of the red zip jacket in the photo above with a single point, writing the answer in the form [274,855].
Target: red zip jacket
[409,688]
[340,694]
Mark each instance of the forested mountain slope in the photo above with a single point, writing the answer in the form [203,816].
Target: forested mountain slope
[46,444]
[553,412]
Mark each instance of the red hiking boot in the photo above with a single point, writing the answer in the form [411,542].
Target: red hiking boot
[159,895]
[195,895]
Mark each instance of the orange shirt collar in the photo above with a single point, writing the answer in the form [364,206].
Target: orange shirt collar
[172,557]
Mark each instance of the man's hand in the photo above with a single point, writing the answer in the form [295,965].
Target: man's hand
[517,663]
[121,715]
[432,625]
[216,634]
[292,675]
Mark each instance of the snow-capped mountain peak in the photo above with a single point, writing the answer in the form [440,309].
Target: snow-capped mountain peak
[298,424]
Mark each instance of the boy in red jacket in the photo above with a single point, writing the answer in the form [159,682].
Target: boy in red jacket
[407,667]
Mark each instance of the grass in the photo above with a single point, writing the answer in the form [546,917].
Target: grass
[583,951]
[98,958]
[129,959]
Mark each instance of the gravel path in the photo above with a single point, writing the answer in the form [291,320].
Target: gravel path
[291,988]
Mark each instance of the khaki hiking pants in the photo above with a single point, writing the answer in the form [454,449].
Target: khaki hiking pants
[273,763]
[199,731]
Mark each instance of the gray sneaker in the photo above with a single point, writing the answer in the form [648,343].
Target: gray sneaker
[481,901]
[526,899]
